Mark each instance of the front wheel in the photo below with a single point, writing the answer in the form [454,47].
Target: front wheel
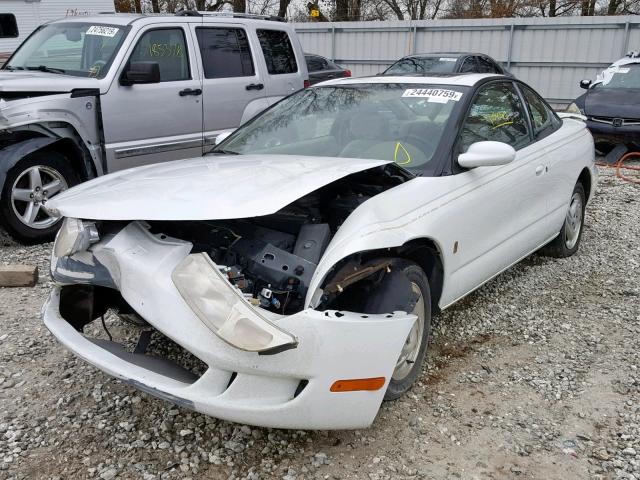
[568,240]
[27,188]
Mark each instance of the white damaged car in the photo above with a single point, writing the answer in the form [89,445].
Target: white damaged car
[302,260]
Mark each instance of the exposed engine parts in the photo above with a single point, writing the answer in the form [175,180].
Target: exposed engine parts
[272,259]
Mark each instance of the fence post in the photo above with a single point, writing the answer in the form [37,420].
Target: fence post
[415,39]
[511,28]
[333,43]
[625,39]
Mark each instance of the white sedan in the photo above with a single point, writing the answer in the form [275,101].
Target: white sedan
[301,261]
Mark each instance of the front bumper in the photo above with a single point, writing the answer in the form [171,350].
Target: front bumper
[604,133]
[240,386]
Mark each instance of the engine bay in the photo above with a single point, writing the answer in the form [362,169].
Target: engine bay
[272,258]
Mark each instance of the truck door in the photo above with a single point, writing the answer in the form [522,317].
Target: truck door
[155,122]
[284,75]
[233,86]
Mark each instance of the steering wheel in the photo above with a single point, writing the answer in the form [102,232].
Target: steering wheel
[427,147]
[95,69]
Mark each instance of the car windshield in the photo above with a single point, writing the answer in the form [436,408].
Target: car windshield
[623,76]
[420,65]
[403,123]
[78,49]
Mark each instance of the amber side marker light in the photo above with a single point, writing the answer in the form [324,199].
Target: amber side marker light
[358,384]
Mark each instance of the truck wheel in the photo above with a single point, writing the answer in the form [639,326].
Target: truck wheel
[28,186]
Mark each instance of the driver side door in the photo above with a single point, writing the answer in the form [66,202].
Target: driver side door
[503,209]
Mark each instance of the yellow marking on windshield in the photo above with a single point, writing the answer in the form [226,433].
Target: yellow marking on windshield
[399,146]
[503,124]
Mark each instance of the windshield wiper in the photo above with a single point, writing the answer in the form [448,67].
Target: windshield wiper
[225,152]
[10,68]
[44,68]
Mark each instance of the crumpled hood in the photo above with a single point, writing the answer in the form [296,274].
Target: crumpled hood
[613,102]
[35,81]
[205,188]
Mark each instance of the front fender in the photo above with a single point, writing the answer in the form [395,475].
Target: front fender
[10,155]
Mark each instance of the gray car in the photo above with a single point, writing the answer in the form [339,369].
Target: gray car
[85,96]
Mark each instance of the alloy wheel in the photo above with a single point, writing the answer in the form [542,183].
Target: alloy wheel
[31,191]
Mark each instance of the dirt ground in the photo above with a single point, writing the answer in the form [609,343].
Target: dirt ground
[535,375]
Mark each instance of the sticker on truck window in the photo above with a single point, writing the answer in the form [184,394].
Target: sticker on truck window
[437,95]
[622,70]
[448,59]
[102,31]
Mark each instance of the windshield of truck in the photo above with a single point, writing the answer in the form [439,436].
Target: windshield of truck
[77,49]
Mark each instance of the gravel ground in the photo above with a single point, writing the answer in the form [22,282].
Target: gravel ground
[533,376]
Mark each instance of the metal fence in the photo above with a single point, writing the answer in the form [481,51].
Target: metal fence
[551,54]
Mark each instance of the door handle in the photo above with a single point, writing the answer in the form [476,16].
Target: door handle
[540,169]
[190,91]
[255,86]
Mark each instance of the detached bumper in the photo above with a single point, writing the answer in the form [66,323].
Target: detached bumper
[608,134]
[290,389]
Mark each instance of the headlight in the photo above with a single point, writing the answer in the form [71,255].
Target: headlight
[74,236]
[222,308]
[573,108]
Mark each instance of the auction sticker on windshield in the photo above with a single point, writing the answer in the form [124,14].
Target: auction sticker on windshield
[102,31]
[437,95]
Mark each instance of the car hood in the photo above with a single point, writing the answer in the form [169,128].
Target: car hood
[42,82]
[205,188]
[613,102]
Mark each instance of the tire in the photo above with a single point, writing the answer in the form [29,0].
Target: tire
[381,301]
[568,240]
[24,189]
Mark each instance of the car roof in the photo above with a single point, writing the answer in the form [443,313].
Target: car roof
[440,54]
[465,79]
[129,18]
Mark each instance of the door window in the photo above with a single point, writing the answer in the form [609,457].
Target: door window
[8,25]
[496,114]
[167,47]
[225,52]
[278,52]
[542,117]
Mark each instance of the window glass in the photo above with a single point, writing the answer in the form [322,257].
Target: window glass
[167,47]
[543,119]
[403,123]
[410,65]
[225,52]
[278,52]
[496,114]
[487,66]
[469,65]
[314,63]
[78,49]
[8,25]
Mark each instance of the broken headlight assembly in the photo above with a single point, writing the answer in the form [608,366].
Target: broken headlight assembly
[74,236]
[222,308]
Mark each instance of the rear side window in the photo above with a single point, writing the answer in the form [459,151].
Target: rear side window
[469,65]
[543,119]
[278,52]
[225,52]
[487,66]
[168,48]
[8,25]
[315,64]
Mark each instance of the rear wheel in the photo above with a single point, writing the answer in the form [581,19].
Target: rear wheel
[568,240]
[29,185]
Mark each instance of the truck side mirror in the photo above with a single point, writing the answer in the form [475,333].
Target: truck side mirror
[585,84]
[140,72]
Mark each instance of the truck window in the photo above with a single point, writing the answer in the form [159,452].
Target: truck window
[167,47]
[225,52]
[8,25]
[278,52]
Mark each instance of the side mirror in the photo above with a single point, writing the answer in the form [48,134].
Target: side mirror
[222,136]
[487,154]
[140,72]
[585,84]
